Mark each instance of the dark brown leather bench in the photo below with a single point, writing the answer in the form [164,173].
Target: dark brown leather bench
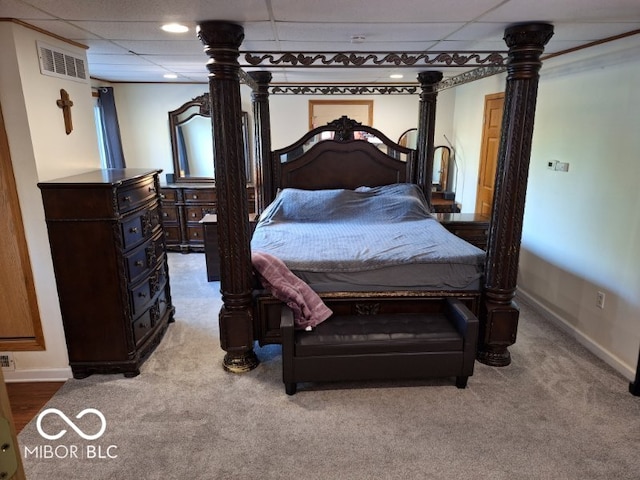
[441,343]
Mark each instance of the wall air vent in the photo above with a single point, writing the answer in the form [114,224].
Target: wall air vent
[56,62]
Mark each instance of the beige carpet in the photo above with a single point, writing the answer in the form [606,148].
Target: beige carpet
[556,413]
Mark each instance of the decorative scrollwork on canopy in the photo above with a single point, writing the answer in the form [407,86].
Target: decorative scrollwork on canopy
[470,76]
[360,60]
[344,89]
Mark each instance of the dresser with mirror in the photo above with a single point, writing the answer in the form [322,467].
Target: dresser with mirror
[190,192]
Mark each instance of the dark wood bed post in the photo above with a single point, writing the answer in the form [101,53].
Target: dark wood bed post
[426,129]
[499,314]
[221,42]
[262,140]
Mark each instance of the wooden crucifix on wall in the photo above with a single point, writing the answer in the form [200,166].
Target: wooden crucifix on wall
[65,104]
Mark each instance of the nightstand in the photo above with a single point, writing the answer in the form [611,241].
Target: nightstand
[472,227]
[212,255]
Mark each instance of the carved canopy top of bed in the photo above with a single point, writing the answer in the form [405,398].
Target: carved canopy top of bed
[342,154]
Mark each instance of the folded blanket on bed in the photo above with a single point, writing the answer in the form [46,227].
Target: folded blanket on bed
[308,308]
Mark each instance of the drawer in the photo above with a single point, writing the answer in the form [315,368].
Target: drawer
[133,230]
[196,213]
[470,232]
[168,195]
[150,318]
[475,236]
[140,226]
[144,258]
[142,327]
[142,294]
[130,198]
[170,214]
[251,198]
[195,233]
[192,195]
[172,234]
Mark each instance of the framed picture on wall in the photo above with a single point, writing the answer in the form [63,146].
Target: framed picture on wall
[322,112]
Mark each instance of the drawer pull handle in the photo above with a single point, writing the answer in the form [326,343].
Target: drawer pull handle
[133,230]
[163,196]
[195,197]
[139,263]
[165,214]
[126,198]
[143,325]
[142,294]
[193,215]
[152,189]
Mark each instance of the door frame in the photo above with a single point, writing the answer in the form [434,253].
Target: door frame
[15,260]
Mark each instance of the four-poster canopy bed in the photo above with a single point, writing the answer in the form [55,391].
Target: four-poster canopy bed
[249,313]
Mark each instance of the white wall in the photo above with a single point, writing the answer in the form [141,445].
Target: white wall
[392,115]
[144,125]
[41,150]
[581,228]
[143,114]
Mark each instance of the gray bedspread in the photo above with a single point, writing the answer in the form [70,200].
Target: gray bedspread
[369,238]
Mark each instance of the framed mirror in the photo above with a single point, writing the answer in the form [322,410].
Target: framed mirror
[192,143]
[441,158]
[443,177]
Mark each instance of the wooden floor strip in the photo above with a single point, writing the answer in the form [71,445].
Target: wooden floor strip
[27,399]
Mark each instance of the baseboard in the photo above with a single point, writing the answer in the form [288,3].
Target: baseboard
[38,375]
[600,352]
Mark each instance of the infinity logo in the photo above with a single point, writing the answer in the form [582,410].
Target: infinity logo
[55,411]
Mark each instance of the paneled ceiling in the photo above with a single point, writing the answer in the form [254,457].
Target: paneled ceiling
[125,42]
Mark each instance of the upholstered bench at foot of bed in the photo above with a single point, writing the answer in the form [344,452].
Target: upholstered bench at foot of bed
[377,347]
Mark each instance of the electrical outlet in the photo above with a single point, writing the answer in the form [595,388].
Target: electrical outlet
[551,164]
[6,362]
[600,299]
[562,166]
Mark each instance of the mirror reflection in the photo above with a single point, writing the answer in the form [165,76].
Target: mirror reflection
[443,178]
[195,147]
[192,143]
[441,157]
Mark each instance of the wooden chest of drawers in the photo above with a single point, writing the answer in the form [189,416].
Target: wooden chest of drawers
[108,248]
[183,206]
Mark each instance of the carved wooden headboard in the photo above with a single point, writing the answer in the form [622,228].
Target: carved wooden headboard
[342,154]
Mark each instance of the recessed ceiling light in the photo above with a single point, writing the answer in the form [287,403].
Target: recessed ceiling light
[396,75]
[175,28]
[170,75]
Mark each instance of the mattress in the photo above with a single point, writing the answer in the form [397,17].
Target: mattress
[368,239]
